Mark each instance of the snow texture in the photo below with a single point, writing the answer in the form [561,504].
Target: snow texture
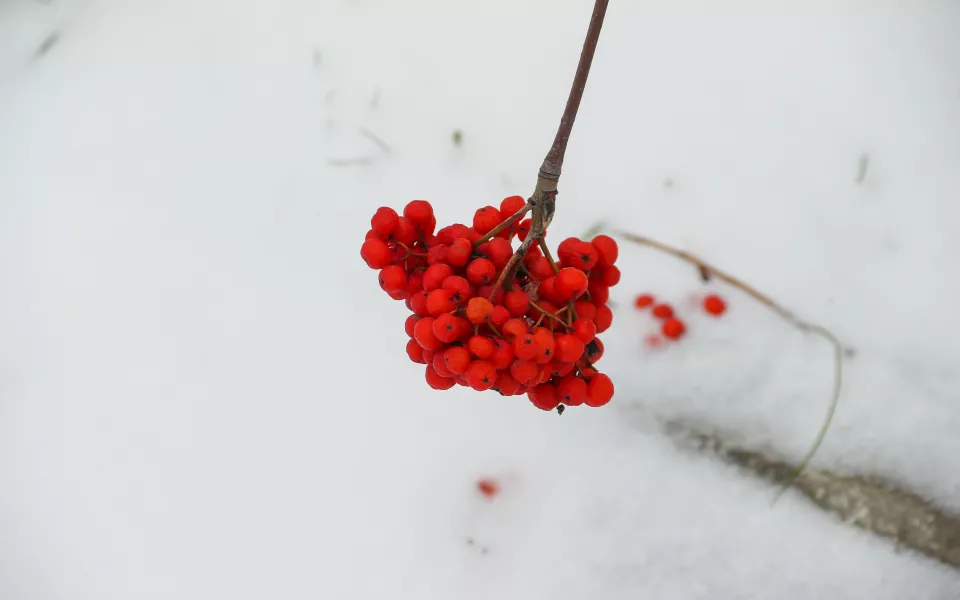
[204,394]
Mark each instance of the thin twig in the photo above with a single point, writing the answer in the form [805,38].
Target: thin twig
[546,253]
[375,139]
[542,202]
[544,313]
[506,223]
[350,162]
[553,162]
[786,315]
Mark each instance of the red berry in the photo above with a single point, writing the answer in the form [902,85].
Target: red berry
[440,302]
[458,288]
[560,369]
[525,346]
[585,310]
[572,391]
[653,341]
[414,283]
[513,328]
[458,253]
[487,291]
[663,311]
[517,302]
[481,271]
[434,275]
[418,211]
[481,375]
[448,328]
[488,487]
[498,250]
[506,384]
[540,268]
[548,290]
[478,310]
[569,348]
[584,256]
[415,352]
[673,328]
[566,251]
[546,345]
[499,316]
[423,333]
[523,229]
[610,276]
[510,205]
[456,358]
[524,370]
[384,221]
[481,347]
[418,303]
[594,350]
[438,255]
[409,324]
[585,329]
[406,232]
[502,356]
[393,279]
[714,305]
[570,284]
[375,253]
[603,318]
[599,293]
[599,390]
[643,301]
[544,397]
[437,382]
[440,366]
[486,219]
[607,250]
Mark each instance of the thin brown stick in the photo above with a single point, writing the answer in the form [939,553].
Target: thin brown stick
[553,162]
[507,223]
[542,203]
[544,313]
[546,253]
[786,315]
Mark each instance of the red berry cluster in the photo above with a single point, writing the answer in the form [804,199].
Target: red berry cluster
[536,334]
[672,327]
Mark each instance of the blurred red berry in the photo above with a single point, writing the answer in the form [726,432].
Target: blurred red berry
[714,305]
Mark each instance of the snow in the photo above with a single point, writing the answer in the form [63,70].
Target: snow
[203,392]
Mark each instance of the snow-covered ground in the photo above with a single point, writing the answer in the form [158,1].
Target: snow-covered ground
[204,394]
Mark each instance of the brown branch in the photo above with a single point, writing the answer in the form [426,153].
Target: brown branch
[506,223]
[542,202]
[546,253]
[786,315]
[553,162]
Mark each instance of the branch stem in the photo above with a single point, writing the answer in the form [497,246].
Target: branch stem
[553,162]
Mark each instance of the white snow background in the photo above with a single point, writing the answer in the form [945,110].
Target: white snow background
[204,393]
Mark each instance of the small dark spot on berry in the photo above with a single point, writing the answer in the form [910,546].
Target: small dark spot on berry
[560,409]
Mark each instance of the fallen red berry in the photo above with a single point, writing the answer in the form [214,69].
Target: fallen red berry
[488,487]
[673,328]
[643,301]
[714,305]
[663,311]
